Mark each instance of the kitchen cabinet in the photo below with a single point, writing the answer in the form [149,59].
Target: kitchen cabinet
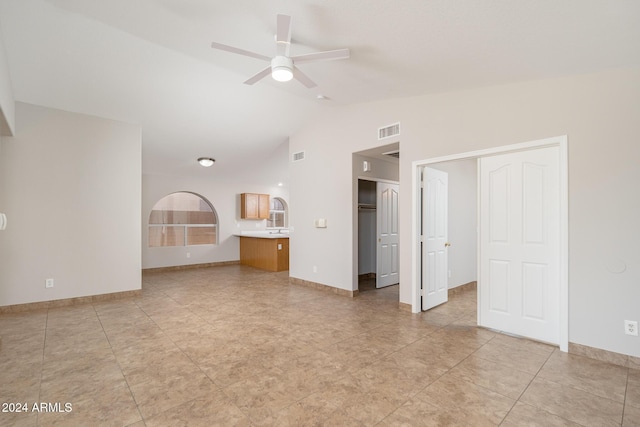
[271,254]
[254,206]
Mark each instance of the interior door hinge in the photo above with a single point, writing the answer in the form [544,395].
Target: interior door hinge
[422,238]
[422,292]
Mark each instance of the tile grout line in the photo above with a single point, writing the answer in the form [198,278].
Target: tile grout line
[44,344]
[626,391]
[527,387]
[188,357]
[118,362]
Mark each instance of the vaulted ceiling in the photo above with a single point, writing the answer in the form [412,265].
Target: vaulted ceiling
[150,62]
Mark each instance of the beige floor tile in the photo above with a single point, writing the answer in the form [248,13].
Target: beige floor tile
[633,389]
[493,376]
[524,344]
[473,404]
[211,410]
[573,404]
[416,413]
[109,407]
[595,377]
[306,412]
[527,415]
[19,419]
[631,416]
[399,377]
[260,397]
[237,346]
[521,358]
[159,394]
[441,354]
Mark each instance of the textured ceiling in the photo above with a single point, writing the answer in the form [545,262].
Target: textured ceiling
[150,62]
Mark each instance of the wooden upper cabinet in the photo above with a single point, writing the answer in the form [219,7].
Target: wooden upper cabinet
[254,206]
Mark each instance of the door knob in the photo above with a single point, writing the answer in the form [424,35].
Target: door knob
[446,245]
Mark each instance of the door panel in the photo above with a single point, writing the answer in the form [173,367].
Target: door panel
[388,237]
[435,233]
[519,243]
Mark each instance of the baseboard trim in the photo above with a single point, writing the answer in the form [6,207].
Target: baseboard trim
[66,302]
[471,286]
[605,355]
[321,287]
[403,306]
[189,266]
[366,276]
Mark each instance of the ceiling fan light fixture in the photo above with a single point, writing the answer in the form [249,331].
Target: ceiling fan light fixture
[206,161]
[282,68]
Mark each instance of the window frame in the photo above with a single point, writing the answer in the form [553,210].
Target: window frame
[186,226]
[283,212]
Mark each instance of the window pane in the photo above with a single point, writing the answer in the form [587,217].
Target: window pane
[178,210]
[278,219]
[201,235]
[166,236]
[182,208]
[276,204]
[201,218]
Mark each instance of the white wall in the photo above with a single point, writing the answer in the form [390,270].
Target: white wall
[71,192]
[599,113]
[463,236]
[7,104]
[225,198]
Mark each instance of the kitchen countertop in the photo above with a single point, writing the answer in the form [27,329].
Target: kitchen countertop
[263,234]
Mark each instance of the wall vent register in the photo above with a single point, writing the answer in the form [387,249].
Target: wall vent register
[389,131]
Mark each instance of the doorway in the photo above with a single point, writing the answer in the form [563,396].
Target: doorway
[528,150]
[378,234]
[376,222]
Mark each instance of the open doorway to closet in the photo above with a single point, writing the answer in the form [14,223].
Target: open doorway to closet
[376,227]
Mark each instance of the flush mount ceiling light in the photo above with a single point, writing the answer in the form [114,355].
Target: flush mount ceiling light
[206,161]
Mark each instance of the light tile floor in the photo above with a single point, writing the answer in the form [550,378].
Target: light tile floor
[236,346]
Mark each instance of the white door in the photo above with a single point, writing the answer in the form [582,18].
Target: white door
[387,269]
[519,274]
[435,245]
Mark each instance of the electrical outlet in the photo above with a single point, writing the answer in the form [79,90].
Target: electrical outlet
[631,327]
[315,269]
[48,283]
[188,254]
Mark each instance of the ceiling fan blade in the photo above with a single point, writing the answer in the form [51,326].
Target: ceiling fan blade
[232,49]
[303,78]
[329,55]
[261,75]
[283,35]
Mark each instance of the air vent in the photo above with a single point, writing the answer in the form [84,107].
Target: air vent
[394,153]
[389,131]
[298,156]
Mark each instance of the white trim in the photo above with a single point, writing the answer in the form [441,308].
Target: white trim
[559,141]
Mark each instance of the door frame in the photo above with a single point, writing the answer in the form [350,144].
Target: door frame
[416,261]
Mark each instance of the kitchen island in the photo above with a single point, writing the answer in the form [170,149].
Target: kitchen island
[265,250]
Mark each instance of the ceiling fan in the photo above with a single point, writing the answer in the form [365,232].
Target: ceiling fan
[284,67]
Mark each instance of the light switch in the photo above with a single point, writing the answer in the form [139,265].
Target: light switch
[321,223]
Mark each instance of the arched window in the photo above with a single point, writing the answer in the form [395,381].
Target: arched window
[277,213]
[183,219]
